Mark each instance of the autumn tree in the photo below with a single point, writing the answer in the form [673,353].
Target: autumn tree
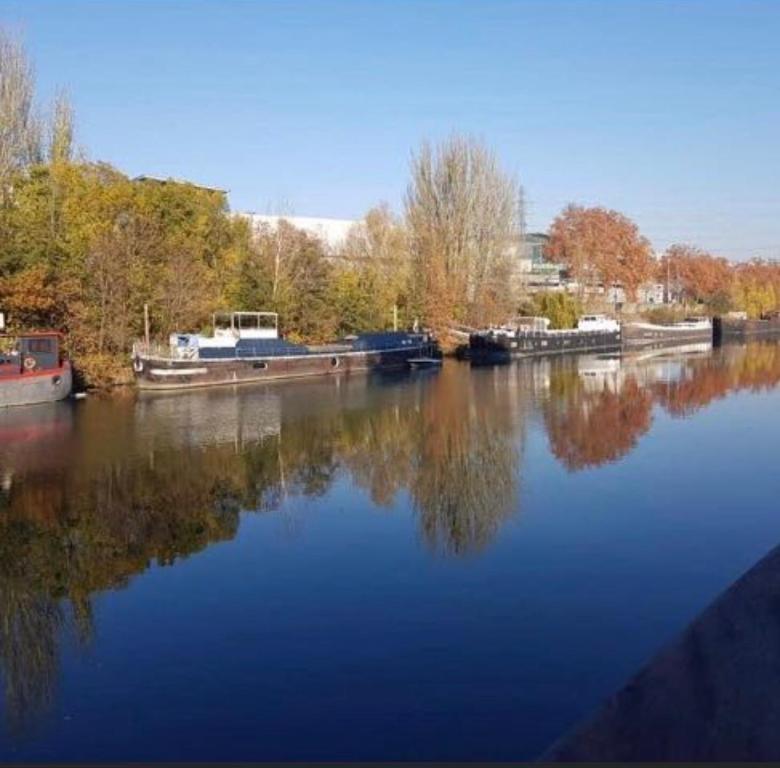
[694,275]
[561,309]
[83,248]
[61,130]
[600,246]
[375,260]
[286,271]
[462,214]
[756,287]
[20,127]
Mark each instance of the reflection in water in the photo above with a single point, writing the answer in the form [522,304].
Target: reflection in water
[157,479]
[597,409]
[92,495]
[596,415]
[464,480]
[29,630]
[754,367]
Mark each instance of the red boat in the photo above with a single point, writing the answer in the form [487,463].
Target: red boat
[32,369]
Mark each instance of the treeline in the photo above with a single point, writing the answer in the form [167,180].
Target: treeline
[603,247]
[83,248]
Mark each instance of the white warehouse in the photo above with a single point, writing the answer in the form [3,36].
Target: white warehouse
[332,232]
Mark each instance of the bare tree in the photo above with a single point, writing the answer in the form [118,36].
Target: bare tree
[61,130]
[20,128]
[462,210]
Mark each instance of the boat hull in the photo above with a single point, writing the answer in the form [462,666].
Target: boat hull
[649,335]
[37,387]
[730,329]
[488,349]
[165,374]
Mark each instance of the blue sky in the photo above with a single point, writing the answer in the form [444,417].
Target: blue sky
[666,110]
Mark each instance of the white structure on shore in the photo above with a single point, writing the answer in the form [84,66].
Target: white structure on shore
[332,232]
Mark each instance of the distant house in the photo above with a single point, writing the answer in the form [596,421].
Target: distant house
[646,294]
[535,243]
[651,293]
[533,270]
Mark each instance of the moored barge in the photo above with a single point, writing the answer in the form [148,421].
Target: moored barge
[246,347]
[743,329]
[532,337]
[641,335]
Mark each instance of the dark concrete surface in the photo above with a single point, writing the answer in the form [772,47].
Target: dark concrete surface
[714,694]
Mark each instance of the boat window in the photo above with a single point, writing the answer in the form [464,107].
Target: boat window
[41,346]
[248,322]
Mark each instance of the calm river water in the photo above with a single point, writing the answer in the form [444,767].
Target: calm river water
[436,565]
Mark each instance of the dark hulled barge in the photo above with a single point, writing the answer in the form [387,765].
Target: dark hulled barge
[741,329]
[529,337]
[246,347]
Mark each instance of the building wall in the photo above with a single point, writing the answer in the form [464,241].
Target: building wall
[332,232]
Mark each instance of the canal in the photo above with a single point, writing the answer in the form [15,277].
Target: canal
[455,564]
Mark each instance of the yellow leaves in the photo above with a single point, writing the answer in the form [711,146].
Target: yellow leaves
[756,288]
[755,298]
[84,248]
[29,296]
[562,310]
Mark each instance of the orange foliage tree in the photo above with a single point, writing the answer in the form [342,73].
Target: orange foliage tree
[695,275]
[601,246]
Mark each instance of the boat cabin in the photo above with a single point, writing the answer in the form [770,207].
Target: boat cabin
[30,353]
[246,325]
[598,323]
[229,329]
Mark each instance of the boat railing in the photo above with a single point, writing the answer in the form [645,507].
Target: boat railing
[154,350]
[546,334]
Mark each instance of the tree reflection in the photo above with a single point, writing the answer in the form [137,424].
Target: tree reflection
[90,498]
[133,485]
[464,483]
[755,367]
[590,423]
[29,627]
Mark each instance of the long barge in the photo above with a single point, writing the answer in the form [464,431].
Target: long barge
[246,347]
[742,329]
[641,335]
[532,337]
